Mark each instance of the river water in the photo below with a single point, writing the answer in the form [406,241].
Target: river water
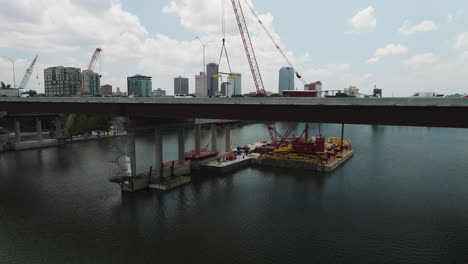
[403,198]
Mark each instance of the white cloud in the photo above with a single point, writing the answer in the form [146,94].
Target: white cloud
[67,32]
[424,26]
[452,17]
[426,58]
[462,41]
[364,20]
[390,49]
[328,70]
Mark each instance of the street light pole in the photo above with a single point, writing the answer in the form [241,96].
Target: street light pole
[13,63]
[204,45]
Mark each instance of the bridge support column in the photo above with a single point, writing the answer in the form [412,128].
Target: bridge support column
[58,127]
[214,135]
[342,136]
[181,143]
[39,129]
[17,131]
[228,137]
[198,139]
[158,152]
[132,150]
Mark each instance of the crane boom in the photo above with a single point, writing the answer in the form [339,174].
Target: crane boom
[87,75]
[249,50]
[86,78]
[275,43]
[277,139]
[27,74]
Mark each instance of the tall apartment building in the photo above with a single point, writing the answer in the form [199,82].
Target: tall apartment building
[201,89]
[62,81]
[236,83]
[139,85]
[94,85]
[286,79]
[181,85]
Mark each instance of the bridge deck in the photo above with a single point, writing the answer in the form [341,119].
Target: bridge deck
[437,112]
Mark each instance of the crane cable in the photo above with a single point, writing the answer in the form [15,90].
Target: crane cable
[274,42]
[223,26]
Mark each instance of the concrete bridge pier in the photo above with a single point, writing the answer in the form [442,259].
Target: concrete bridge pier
[132,150]
[181,144]
[170,174]
[198,139]
[158,144]
[228,137]
[17,131]
[58,127]
[39,129]
[214,135]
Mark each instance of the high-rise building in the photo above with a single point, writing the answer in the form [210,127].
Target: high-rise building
[286,79]
[201,90]
[159,92]
[212,82]
[181,85]
[139,85]
[236,83]
[62,81]
[106,89]
[226,89]
[94,82]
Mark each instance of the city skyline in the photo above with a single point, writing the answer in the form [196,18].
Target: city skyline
[361,43]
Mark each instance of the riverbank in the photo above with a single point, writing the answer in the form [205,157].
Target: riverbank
[45,143]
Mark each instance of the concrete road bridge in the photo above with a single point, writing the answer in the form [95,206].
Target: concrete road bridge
[430,112]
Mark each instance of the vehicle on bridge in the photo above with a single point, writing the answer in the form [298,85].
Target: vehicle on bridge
[427,94]
[183,96]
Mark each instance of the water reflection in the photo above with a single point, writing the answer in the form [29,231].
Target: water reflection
[402,196]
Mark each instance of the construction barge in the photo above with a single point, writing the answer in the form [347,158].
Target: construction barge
[297,153]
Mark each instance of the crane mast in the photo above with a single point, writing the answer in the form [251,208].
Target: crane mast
[249,50]
[27,75]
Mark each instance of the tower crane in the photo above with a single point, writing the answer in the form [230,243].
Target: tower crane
[86,78]
[27,74]
[277,139]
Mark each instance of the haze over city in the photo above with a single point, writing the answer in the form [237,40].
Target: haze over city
[422,47]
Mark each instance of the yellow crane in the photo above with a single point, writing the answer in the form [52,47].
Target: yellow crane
[86,78]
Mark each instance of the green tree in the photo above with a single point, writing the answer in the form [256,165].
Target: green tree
[87,123]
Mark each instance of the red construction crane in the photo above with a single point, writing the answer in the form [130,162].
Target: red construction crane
[275,43]
[249,50]
[277,139]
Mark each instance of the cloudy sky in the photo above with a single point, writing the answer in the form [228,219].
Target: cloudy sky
[401,46]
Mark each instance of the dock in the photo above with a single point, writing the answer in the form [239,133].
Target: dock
[226,166]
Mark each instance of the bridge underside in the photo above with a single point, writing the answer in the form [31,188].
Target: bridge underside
[428,116]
